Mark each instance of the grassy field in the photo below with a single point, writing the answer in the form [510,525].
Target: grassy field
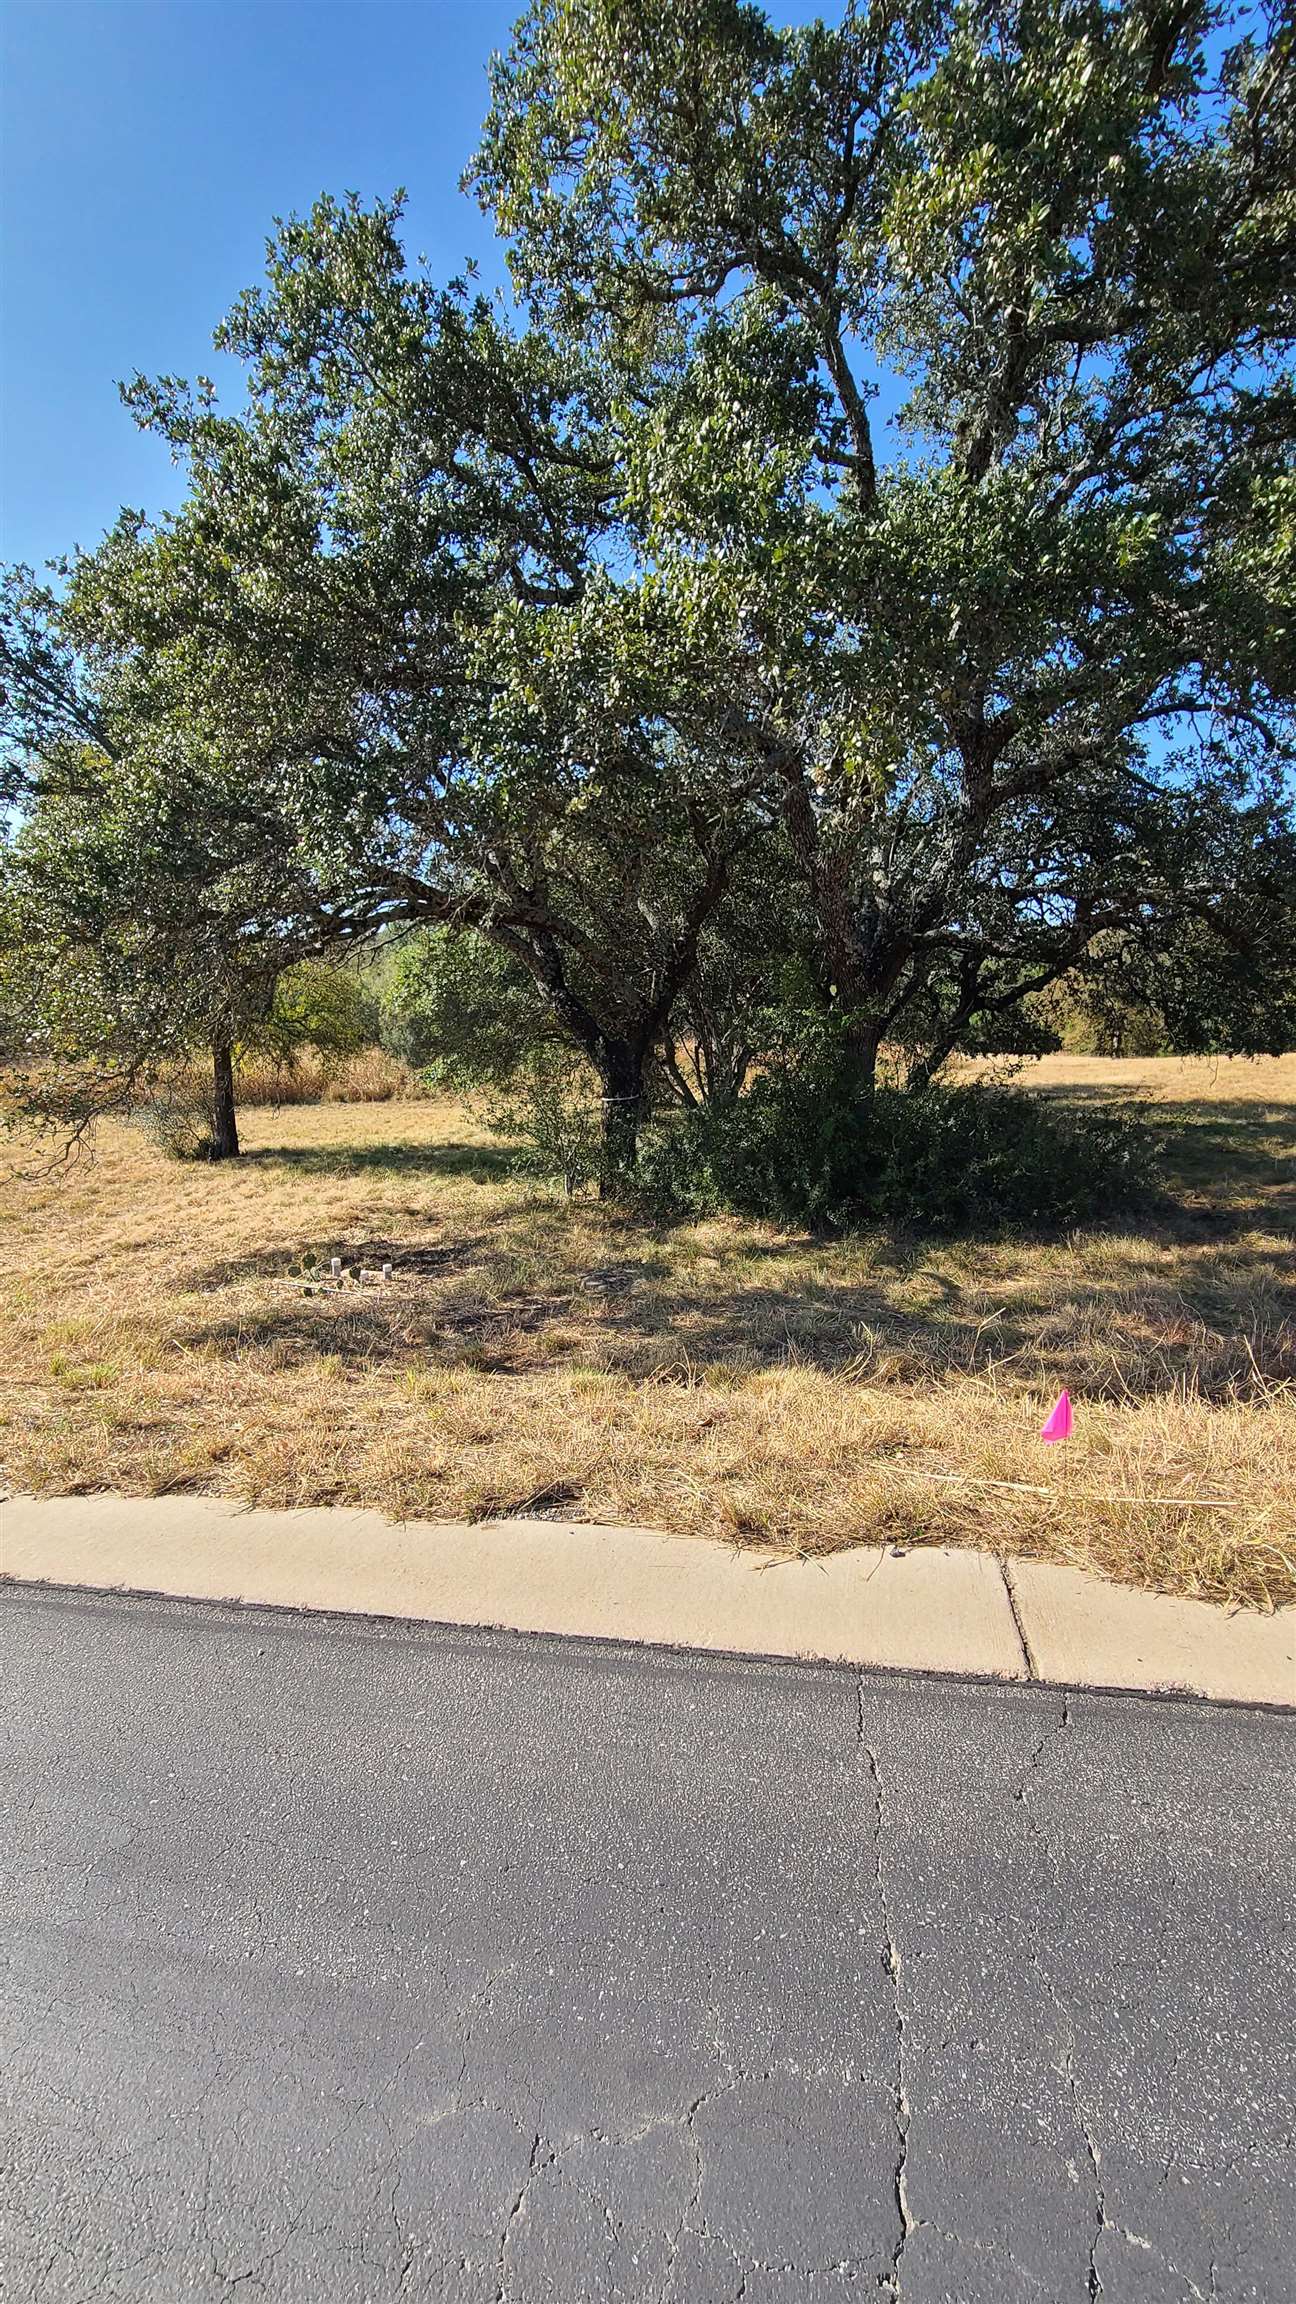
[534,1356]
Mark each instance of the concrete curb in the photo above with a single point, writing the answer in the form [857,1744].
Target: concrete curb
[1082,1631]
[921,1609]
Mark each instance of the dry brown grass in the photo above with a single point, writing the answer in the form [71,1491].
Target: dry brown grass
[369,1076]
[531,1355]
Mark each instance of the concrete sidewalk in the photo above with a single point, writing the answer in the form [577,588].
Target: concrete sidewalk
[909,1609]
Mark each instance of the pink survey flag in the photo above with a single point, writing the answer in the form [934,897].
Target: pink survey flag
[1057,1424]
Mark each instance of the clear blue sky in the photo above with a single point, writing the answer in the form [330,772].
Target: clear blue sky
[145,147]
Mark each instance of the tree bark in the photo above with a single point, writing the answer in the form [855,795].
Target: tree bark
[621,1071]
[225,1143]
[863,1041]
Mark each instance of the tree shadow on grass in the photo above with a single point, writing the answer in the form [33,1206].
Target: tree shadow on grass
[1176,1312]
[1191,1303]
[1227,1163]
[308,1264]
[484,1163]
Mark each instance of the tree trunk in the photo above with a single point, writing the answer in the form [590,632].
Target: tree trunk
[863,1040]
[225,1141]
[924,1069]
[621,1070]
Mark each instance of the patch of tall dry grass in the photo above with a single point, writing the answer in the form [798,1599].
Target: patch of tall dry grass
[369,1076]
[534,1355]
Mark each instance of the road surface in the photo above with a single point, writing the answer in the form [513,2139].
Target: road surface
[350,1960]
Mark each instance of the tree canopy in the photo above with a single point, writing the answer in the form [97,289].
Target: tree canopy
[1026,647]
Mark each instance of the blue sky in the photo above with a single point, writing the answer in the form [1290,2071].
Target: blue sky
[145,146]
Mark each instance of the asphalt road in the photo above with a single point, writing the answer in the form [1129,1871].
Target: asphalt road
[349,1960]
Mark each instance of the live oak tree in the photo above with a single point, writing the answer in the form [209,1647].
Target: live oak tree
[1023,642]
[127,947]
[409,598]
[751,998]
[148,901]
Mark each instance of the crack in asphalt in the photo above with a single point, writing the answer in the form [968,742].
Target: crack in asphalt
[518,2208]
[891,1962]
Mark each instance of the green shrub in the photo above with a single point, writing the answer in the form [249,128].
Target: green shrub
[801,1148]
[456,1007]
[550,1109]
[176,1116]
[317,1004]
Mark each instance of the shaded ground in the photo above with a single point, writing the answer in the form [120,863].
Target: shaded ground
[353,1961]
[529,1353]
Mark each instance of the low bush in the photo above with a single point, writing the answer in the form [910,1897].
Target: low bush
[177,1117]
[551,1112]
[803,1149]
